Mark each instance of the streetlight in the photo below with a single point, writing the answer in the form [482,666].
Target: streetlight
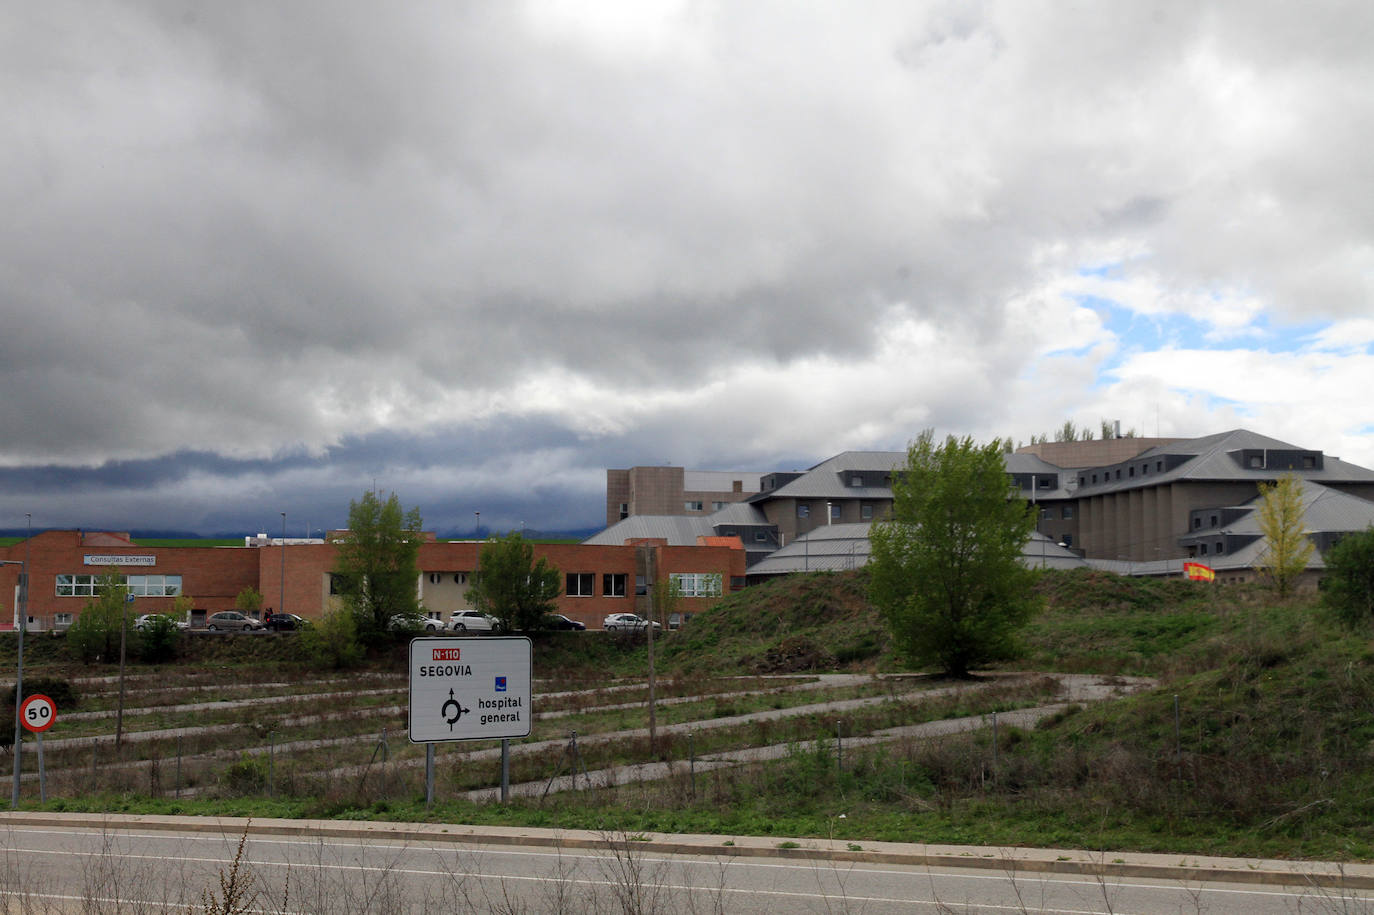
[281,602]
[19,672]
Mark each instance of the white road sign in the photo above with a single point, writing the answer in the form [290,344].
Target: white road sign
[470,688]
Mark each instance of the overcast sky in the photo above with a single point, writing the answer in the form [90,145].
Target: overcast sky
[259,257]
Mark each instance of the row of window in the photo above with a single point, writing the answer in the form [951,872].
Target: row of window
[691,505]
[613,584]
[580,584]
[865,511]
[1047,514]
[138,585]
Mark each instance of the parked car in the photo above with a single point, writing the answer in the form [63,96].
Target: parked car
[473,621]
[402,621]
[627,621]
[145,622]
[231,621]
[285,622]
[559,621]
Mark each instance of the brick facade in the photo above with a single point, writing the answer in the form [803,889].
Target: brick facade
[214,576]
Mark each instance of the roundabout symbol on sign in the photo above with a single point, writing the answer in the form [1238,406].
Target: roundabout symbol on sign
[38,713]
[458,710]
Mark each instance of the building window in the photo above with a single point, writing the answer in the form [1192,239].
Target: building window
[1144,469]
[624,510]
[1219,547]
[337,585]
[803,511]
[613,584]
[866,512]
[1214,521]
[760,536]
[61,620]
[692,506]
[460,578]
[1082,481]
[1068,512]
[1257,462]
[580,584]
[717,506]
[1202,549]
[1046,483]
[1044,514]
[138,585]
[1067,540]
[1197,523]
[1309,463]
[1118,473]
[435,578]
[1159,466]
[1094,478]
[641,585]
[834,512]
[856,480]
[697,584]
[1130,472]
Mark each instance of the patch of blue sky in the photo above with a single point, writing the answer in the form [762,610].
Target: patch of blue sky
[1139,332]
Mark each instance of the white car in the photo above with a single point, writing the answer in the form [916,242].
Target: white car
[402,622]
[473,621]
[145,621]
[627,621]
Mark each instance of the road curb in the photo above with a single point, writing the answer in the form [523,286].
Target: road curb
[1010,860]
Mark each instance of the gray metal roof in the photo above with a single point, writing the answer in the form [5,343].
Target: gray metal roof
[830,547]
[1210,459]
[678,530]
[833,547]
[826,480]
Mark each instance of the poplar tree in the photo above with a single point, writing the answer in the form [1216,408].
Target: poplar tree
[946,569]
[377,564]
[1287,548]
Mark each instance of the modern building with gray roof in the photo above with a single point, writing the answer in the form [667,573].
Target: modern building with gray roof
[1154,504]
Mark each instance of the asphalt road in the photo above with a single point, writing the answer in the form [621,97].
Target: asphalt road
[57,863]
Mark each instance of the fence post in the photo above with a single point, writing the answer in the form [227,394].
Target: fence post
[177,790]
[994,746]
[692,757]
[839,745]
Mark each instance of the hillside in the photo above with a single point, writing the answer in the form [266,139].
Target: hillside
[1269,750]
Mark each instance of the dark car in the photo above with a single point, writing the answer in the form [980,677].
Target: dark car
[559,621]
[284,622]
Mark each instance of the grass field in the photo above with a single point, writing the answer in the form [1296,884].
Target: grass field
[1257,741]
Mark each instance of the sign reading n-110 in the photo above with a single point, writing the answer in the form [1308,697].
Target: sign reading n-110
[475,688]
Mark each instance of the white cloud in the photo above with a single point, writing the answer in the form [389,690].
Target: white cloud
[719,229]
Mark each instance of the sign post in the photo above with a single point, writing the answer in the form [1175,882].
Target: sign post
[38,713]
[471,689]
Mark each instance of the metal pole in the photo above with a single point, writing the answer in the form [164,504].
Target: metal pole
[123,628]
[281,600]
[42,773]
[839,745]
[692,756]
[178,786]
[994,746]
[271,764]
[19,673]
[429,775]
[505,769]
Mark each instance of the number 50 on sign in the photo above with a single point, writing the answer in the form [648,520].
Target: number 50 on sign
[38,713]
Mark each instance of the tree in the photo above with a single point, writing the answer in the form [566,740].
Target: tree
[946,569]
[1348,586]
[248,601]
[512,586]
[1287,548]
[95,634]
[377,564]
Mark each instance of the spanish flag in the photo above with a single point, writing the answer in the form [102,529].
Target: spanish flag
[1198,572]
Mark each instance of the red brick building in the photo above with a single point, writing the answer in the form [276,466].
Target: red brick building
[598,579]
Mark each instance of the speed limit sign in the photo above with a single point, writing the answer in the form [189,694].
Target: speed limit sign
[38,713]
